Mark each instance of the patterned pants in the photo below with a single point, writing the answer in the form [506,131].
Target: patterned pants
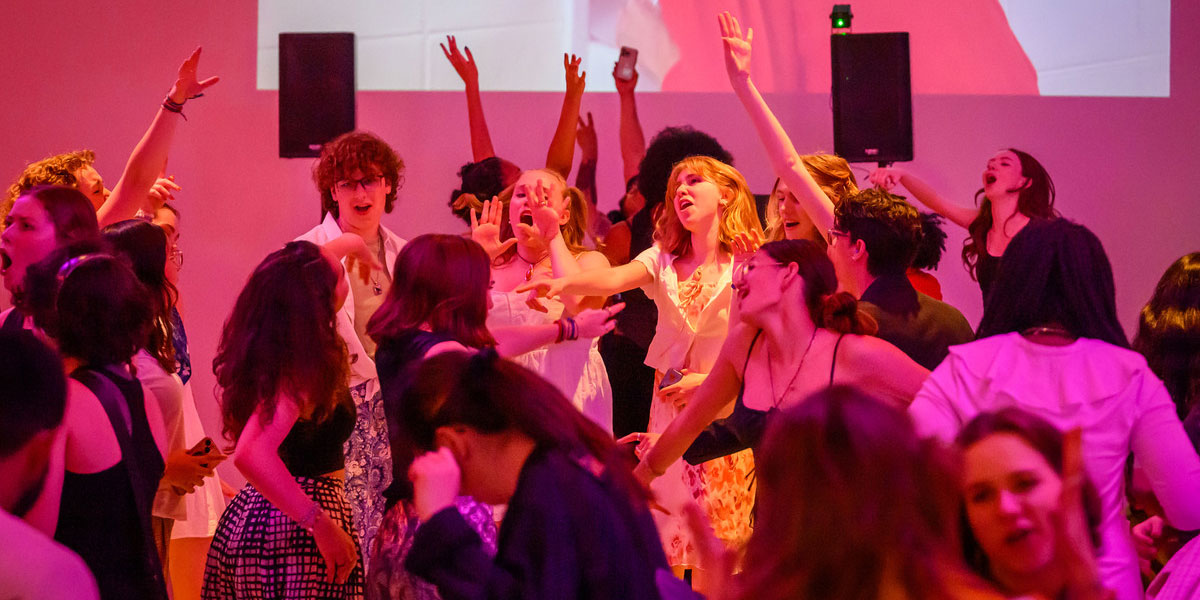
[368,464]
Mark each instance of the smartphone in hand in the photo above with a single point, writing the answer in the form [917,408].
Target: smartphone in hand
[671,377]
[625,62]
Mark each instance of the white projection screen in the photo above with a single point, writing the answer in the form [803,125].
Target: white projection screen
[1001,47]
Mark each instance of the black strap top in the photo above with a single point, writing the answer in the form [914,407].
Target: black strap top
[312,448]
[986,267]
[105,516]
[744,427]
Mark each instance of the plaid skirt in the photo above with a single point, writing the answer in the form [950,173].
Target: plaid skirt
[258,552]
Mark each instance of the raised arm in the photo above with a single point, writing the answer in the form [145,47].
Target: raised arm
[585,177]
[886,178]
[562,148]
[481,140]
[257,457]
[149,157]
[784,159]
[633,140]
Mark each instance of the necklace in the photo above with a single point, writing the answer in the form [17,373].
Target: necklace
[775,400]
[1048,330]
[532,265]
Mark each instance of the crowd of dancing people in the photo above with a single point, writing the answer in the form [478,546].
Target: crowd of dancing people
[670,401]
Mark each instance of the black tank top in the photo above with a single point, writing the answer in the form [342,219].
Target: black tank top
[314,448]
[105,516]
[986,268]
[744,427]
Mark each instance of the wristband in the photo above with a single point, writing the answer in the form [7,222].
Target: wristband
[561,331]
[173,106]
[310,519]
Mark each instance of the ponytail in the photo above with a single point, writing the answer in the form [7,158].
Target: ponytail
[840,313]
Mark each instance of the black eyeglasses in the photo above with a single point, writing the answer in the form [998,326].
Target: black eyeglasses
[368,184]
[836,233]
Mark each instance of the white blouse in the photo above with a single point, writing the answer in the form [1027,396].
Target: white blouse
[1108,392]
[677,343]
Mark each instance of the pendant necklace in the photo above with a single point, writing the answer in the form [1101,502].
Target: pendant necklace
[775,400]
[532,265]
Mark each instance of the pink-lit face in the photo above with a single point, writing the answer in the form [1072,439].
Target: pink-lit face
[758,286]
[1010,492]
[1003,175]
[29,236]
[91,184]
[524,198]
[697,200]
[169,222]
[796,223]
[361,199]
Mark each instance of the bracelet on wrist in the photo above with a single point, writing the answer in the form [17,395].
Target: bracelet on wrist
[309,521]
[561,331]
[173,106]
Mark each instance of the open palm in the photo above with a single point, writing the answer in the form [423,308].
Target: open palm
[737,47]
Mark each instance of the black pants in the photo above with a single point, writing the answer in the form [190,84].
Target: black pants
[632,383]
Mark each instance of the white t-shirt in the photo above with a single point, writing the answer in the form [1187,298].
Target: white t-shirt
[1108,392]
[677,343]
[33,566]
[168,392]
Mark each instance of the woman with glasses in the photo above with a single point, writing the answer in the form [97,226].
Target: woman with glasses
[798,335]
[358,175]
[687,274]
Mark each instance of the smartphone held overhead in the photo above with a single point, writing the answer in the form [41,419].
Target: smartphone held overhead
[626,62]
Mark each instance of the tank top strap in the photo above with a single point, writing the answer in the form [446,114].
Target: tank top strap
[833,363]
[746,363]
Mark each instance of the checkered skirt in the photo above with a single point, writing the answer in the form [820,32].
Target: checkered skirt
[258,552]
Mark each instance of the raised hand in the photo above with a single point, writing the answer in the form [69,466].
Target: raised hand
[745,244]
[463,65]
[545,218]
[585,136]
[737,48]
[625,86]
[576,79]
[187,86]
[359,258]
[485,228]
[162,191]
[885,178]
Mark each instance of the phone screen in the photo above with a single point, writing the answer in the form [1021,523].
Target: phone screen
[626,62]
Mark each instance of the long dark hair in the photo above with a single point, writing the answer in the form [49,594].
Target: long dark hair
[1054,271]
[145,245]
[1043,437]
[493,395]
[827,307]
[90,302]
[442,281]
[1035,201]
[1169,331]
[847,493]
[281,338]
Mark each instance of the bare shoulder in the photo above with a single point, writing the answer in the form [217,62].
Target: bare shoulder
[592,259]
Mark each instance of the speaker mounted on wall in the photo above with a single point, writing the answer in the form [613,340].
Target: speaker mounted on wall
[872,97]
[316,91]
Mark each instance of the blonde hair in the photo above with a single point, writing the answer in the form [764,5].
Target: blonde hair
[737,215]
[832,174]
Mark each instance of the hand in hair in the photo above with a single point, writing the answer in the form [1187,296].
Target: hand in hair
[463,65]
[485,228]
[745,244]
[162,192]
[737,48]
[187,86]
[886,178]
[576,79]
[436,479]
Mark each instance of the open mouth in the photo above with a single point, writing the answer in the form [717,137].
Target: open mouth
[1018,536]
[362,209]
[791,224]
[527,219]
[989,179]
[685,204]
[5,260]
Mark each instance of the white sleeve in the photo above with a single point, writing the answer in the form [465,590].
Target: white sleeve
[651,258]
[933,408]
[1164,453]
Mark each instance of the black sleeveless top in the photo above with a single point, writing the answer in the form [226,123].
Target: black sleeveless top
[15,321]
[986,267]
[312,449]
[396,360]
[744,427]
[105,516]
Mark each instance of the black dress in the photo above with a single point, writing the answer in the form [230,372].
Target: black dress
[986,267]
[105,516]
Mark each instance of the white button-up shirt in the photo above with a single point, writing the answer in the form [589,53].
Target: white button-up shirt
[677,344]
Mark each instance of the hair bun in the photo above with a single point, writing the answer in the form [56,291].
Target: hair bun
[839,312]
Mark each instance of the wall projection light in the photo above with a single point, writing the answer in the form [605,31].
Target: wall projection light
[840,18]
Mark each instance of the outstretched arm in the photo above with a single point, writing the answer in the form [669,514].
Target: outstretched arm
[633,141]
[562,147]
[481,140]
[887,178]
[149,157]
[782,154]
[596,282]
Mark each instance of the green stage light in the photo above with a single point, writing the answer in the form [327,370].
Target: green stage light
[841,17]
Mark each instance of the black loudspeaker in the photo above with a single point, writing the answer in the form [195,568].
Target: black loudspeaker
[316,91]
[872,97]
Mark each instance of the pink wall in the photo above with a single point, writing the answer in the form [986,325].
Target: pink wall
[90,74]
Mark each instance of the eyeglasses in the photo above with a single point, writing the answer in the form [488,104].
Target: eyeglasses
[368,184]
[176,256]
[743,269]
[836,233]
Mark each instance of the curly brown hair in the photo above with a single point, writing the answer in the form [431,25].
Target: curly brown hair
[357,150]
[55,170]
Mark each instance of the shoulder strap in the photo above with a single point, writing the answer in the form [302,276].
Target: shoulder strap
[116,406]
[833,364]
[746,362]
[15,321]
